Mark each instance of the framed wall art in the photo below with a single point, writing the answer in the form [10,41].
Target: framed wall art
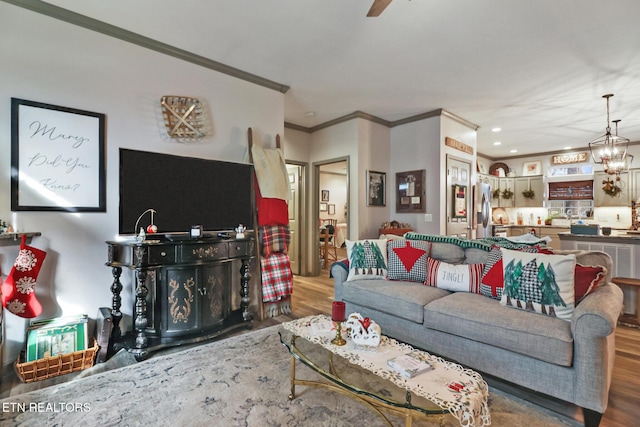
[532,168]
[332,209]
[323,207]
[459,201]
[410,192]
[57,158]
[325,195]
[377,188]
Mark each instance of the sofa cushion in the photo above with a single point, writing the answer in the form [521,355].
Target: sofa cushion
[539,283]
[367,259]
[405,300]
[453,277]
[408,260]
[484,320]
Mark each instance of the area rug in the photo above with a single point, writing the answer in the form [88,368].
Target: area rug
[239,381]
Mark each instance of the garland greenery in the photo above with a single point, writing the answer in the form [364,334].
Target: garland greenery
[529,194]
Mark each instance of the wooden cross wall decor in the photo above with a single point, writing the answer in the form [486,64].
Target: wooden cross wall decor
[183,117]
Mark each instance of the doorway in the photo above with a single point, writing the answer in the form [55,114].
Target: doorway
[458,190]
[332,195]
[295,173]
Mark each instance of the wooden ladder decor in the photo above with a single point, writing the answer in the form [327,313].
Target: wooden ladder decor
[272,308]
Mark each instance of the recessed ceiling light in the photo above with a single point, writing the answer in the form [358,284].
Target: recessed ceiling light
[497,143]
[513,151]
[567,148]
[496,129]
[310,113]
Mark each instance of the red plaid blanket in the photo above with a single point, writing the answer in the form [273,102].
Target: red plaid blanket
[277,279]
[275,238]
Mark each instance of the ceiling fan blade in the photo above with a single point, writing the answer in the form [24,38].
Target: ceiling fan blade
[378,7]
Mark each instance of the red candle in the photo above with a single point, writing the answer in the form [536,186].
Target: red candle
[338,311]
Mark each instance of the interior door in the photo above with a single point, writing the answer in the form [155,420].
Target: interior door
[294,172]
[459,197]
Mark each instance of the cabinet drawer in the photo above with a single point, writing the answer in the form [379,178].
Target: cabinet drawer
[209,251]
[238,249]
[161,255]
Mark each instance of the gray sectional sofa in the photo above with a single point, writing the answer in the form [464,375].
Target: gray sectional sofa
[567,360]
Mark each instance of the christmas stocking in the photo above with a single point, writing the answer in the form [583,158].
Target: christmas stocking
[19,288]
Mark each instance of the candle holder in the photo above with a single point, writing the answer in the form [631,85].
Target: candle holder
[338,340]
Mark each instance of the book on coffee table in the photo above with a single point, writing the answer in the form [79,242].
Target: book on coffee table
[409,365]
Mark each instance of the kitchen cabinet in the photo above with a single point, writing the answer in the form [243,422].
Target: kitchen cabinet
[634,180]
[501,184]
[506,185]
[600,198]
[540,231]
[533,183]
[554,234]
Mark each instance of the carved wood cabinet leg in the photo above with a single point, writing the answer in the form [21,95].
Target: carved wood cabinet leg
[116,302]
[141,312]
[245,277]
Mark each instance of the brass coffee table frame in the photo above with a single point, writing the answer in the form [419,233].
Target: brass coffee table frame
[376,403]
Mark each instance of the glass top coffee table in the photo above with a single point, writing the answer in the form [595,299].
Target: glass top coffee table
[365,376]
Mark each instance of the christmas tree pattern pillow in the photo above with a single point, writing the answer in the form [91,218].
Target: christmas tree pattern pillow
[367,259]
[539,283]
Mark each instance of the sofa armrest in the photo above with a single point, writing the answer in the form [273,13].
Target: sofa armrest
[593,327]
[597,314]
[339,272]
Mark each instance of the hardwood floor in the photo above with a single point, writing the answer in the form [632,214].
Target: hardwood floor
[313,295]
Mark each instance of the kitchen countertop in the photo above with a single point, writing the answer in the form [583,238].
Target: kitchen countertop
[526,225]
[616,236]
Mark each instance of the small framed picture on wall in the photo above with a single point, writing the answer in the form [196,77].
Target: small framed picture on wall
[332,209]
[325,195]
[377,188]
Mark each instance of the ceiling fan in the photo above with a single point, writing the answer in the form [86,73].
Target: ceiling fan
[378,7]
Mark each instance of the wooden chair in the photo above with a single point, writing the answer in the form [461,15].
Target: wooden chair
[328,248]
[329,221]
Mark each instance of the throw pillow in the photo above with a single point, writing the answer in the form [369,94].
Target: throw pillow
[367,259]
[408,259]
[586,279]
[453,277]
[492,280]
[539,283]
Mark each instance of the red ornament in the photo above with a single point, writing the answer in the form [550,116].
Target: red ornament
[366,322]
[151,228]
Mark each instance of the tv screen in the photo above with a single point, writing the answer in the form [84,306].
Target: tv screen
[184,191]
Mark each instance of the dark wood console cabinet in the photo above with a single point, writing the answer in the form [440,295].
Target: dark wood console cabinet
[183,291]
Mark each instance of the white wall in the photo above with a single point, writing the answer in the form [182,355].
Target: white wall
[49,61]
[416,146]
[374,153]
[336,184]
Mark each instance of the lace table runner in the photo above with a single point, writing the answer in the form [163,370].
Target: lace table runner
[469,405]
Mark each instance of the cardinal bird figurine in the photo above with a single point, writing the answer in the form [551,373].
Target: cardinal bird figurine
[364,332]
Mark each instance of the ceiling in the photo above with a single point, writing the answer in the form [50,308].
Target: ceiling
[536,69]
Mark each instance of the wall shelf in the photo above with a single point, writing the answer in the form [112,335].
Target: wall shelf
[15,238]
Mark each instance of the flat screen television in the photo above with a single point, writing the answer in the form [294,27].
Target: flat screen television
[184,191]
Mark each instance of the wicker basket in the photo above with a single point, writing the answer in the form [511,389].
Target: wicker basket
[49,367]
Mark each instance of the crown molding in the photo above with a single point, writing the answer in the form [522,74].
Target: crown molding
[390,124]
[142,41]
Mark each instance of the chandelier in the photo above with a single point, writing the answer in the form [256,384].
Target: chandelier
[609,150]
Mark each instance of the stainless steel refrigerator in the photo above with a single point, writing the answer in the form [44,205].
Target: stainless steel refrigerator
[483,210]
